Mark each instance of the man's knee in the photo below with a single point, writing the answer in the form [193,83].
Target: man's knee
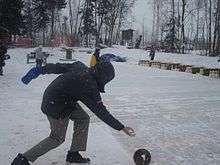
[59,139]
[86,118]
[83,121]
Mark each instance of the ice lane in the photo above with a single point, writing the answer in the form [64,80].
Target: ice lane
[176,115]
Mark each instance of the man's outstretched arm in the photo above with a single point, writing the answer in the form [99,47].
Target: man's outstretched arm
[57,68]
[97,107]
[102,113]
[33,73]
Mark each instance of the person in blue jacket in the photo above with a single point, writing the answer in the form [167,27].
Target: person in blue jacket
[76,82]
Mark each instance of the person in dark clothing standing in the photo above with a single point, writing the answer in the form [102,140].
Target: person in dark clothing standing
[3,57]
[76,82]
[39,56]
[152,53]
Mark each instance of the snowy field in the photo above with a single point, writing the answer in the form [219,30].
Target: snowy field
[176,115]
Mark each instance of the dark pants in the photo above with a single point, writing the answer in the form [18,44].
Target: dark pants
[1,70]
[39,62]
[152,55]
[58,133]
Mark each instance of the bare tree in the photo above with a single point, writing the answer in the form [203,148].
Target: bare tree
[154,22]
[71,17]
[216,41]
[210,27]
[183,25]
[173,26]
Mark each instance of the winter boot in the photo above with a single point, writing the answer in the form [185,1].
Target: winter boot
[20,160]
[75,157]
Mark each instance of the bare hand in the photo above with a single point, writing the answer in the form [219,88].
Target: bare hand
[128,131]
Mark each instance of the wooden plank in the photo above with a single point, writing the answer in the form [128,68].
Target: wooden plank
[214,73]
[204,71]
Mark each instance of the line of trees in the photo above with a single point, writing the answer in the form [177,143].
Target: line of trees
[98,21]
[88,21]
[180,25]
[30,17]
[42,17]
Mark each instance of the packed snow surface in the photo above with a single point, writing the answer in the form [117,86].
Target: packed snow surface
[176,115]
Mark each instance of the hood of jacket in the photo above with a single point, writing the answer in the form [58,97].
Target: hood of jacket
[103,72]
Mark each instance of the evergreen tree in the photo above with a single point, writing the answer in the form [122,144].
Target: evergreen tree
[104,7]
[88,27]
[171,41]
[103,11]
[52,6]
[11,16]
[28,18]
[41,17]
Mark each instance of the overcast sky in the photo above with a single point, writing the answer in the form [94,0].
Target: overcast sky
[143,12]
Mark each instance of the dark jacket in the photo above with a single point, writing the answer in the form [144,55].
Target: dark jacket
[2,60]
[3,51]
[77,82]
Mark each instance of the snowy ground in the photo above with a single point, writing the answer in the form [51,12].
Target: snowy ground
[176,115]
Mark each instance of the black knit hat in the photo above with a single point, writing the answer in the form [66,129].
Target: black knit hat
[105,72]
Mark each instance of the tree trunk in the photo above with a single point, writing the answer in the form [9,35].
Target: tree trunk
[206,28]
[157,24]
[117,37]
[116,14]
[99,29]
[197,26]
[179,31]
[77,18]
[44,37]
[210,27]
[87,40]
[52,22]
[71,17]
[217,48]
[215,38]
[154,20]
[183,25]
[173,27]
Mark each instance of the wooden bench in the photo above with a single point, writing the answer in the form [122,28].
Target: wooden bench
[214,73]
[144,63]
[165,66]
[193,69]
[32,56]
[204,71]
[182,68]
[155,64]
[175,66]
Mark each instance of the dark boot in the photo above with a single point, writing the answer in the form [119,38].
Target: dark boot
[20,160]
[75,157]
